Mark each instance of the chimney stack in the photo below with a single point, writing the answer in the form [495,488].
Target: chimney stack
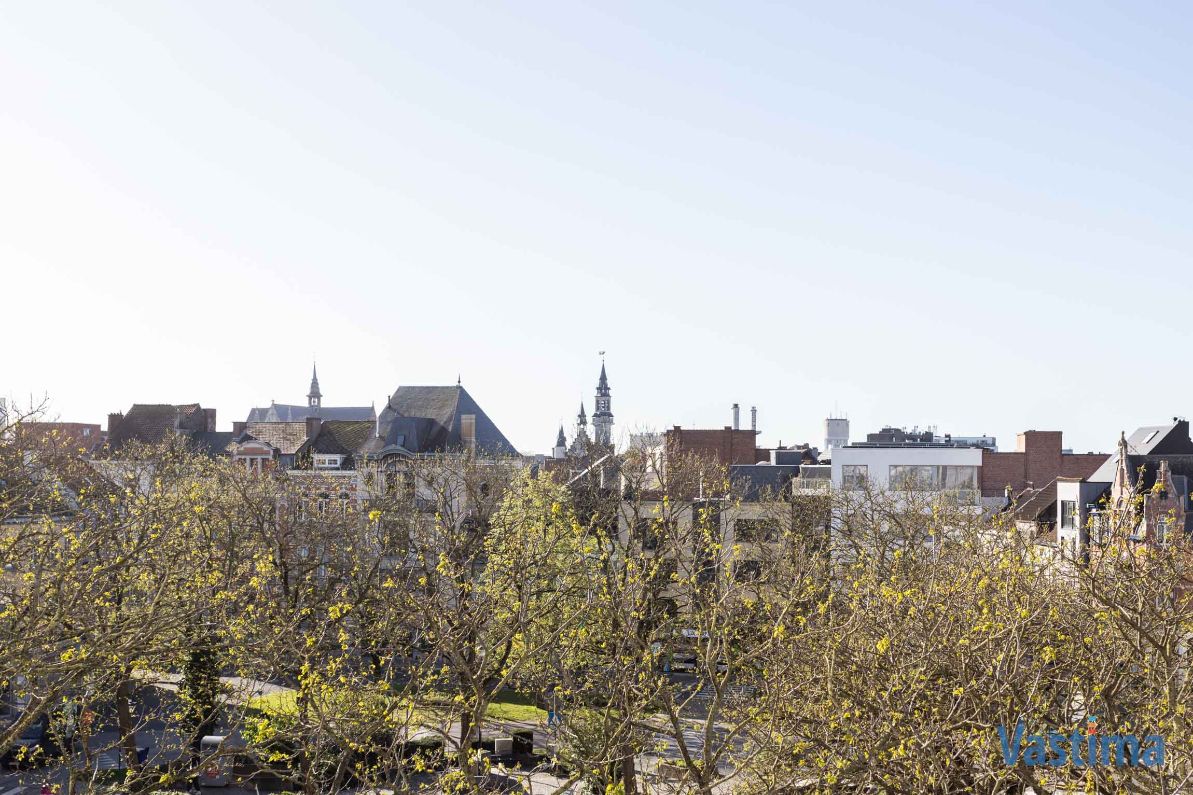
[210,414]
[238,428]
[114,421]
[736,417]
[754,419]
[314,425]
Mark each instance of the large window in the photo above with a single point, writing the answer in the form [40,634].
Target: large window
[1068,514]
[962,481]
[854,476]
[649,532]
[754,530]
[933,477]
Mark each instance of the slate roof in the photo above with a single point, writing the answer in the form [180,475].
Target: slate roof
[286,437]
[213,443]
[1172,438]
[337,437]
[281,412]
[1142,469]
[427,419]
[751,481]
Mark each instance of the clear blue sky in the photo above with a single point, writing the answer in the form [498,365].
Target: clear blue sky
[975,216]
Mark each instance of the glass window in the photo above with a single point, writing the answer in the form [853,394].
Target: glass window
[854,476]
[1162,530]
[751,530]
[647,531]
[1068,514]
[915,477]
[933,477]
[961,478]
[748,571]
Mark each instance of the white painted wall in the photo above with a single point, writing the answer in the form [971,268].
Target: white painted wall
[879,460]
[1083,493]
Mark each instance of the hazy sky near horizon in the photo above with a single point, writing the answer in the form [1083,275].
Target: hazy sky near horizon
[968,215]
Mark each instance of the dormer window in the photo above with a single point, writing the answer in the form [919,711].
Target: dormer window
[323,461]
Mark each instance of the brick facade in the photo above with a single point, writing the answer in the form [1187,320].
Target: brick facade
[725,445]
[1037,461]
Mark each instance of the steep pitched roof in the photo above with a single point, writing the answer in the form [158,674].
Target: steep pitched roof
[429,419]
[286,437]
[1172,438]
[281,412]
[213,443]
[1032,505]
[342,437]
[149,423]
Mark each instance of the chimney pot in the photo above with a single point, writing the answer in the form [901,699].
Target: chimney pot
[736,417]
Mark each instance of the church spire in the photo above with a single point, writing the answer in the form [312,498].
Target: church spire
[314,397]
[561,445]
[579,445]
[602,415]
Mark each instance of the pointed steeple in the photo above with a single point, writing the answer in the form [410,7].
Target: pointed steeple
[602,414]
[582,418]
[561,440]
[314,397]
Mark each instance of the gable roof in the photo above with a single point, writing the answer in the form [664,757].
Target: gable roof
[149,423]
[285,437]
[428,418]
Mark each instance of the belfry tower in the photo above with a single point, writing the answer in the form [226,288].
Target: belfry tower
[602,415]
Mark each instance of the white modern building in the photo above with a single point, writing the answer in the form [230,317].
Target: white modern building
[922,468]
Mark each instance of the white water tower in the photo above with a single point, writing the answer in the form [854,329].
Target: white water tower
[836,433]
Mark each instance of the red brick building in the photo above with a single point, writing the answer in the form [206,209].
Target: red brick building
[726,446]
[81,437]
[1037,461]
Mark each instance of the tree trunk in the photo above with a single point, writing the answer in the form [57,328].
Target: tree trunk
[124,719]
[465,760]
[629,775]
